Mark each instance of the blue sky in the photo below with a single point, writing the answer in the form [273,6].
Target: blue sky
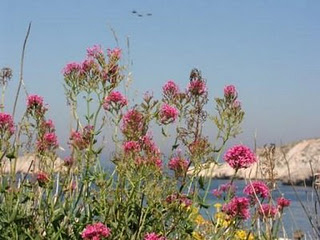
[269,49]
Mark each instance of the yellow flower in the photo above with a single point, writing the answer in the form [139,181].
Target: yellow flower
[218,206]
[222,219]
[199,220]
[197,236]
[242,235]
[194,210]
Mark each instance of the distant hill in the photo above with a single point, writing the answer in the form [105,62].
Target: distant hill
[294,163]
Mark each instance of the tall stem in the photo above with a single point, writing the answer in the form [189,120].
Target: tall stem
[21,71]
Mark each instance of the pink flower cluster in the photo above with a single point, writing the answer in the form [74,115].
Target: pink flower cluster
[199,146]
[179,165]
[114,99]
[144,151]
[153,236]
[282,203]
[48,126]
[239,156]
[230,91]
[95,231]
[197,87]
[168,114]
[34,101]
[149,146]
[132,123]
[114,54]
[95,51]
[79,68]
[238,207]
[68,161]
[72,67]
[42,178]
[236,105]
[6,124]
[257,189]
[152,154]
[35,105]
[228,189]
[48,142]
[154,161]
[267,210]
[94,68]
[170,89]
[87,65]
[81,140]
[131,147]
[181,199]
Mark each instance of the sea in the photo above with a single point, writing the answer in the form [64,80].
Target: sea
[304,209]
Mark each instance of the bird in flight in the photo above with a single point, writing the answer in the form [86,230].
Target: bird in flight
[138,14]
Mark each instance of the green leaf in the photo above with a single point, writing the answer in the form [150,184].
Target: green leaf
[163,132]
[201,182]
[204,205]
[175,146]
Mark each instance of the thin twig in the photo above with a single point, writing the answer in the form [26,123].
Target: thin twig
[21,71]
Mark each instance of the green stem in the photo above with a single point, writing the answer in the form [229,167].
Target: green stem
[3,97]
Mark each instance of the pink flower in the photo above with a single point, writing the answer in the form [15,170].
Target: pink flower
[116,99]
[72,67]
[77,140]
[95,51]
[257,189]
[114,53]
[179,165]
[182,199]
[237,207]
[236,104]
[87,65]
[48,126]
[149,146]
[199,146]
[50,139]
[34,101]
[68,161]
[96,231]
[230,91]
[282,203]
[131,146]
[157,162]
[35,105]
[111,73]
[168,114]
[170,89]
[153,161]
[132,123]
[153,236]
[42,178]
[239,156]
[48,142]
[228,189]
[6,124]
[197,87]
[81,140]
[267,210]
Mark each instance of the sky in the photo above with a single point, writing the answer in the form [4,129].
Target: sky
[268,49]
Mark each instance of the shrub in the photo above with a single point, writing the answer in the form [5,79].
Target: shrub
[145,196]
